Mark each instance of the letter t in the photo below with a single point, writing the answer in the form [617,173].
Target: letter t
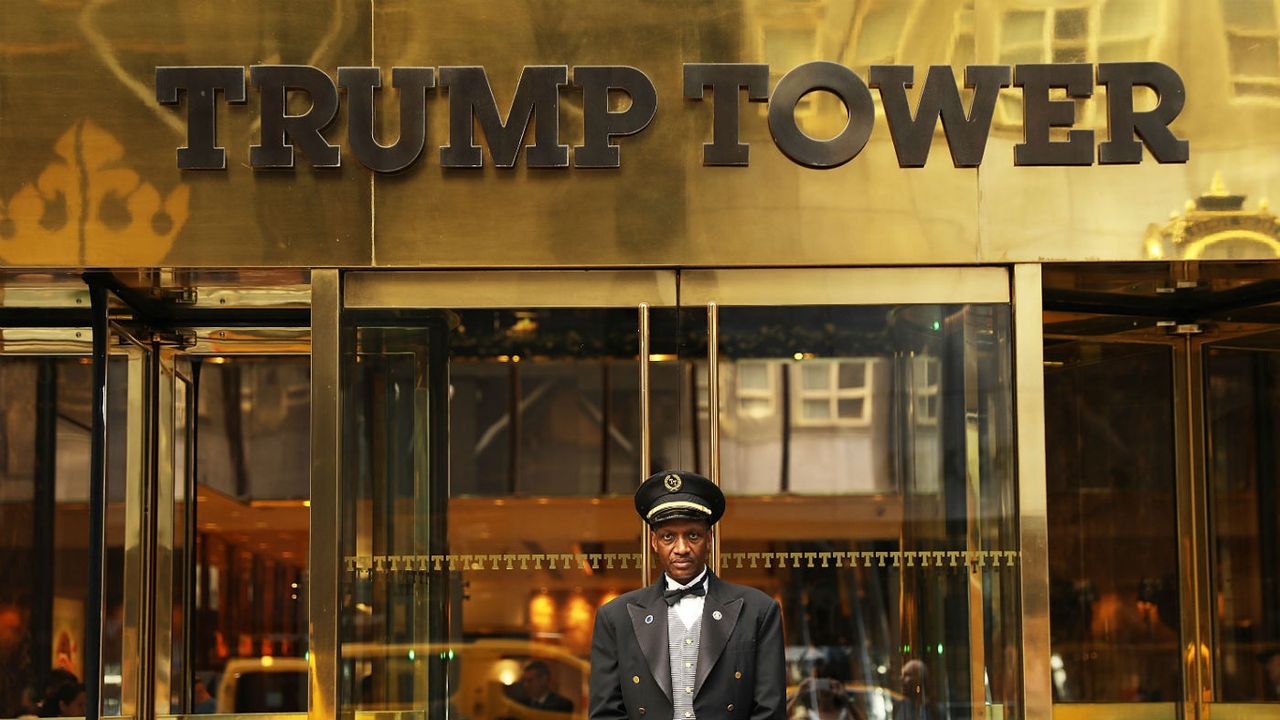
[201,84]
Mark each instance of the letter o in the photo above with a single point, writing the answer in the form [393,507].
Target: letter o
[833,78]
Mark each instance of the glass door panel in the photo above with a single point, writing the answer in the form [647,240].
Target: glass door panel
[233,489]
[1113,521]
[493,439]
[867,451]
[1242,410]
[46,402]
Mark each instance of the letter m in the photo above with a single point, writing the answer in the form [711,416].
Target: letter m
[471,100]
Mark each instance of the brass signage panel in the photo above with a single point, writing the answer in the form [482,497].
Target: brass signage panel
[92,174]
[662,206]
[88,153]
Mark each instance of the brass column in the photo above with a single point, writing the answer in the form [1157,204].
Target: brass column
[323,563]
[1028,334]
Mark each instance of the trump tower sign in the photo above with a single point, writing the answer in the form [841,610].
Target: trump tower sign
[1049,93]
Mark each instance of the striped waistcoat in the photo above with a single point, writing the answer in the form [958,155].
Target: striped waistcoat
[683,646]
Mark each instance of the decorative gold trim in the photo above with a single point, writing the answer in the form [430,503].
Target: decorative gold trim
[1113,711]
[949,560]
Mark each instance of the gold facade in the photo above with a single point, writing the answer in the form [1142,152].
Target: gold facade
[92,178]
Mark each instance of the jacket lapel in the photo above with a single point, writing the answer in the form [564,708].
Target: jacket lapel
[715,632]
[649,621]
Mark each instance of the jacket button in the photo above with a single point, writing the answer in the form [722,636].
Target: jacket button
[737,675]
[730,707]
[641,711]
[635,679]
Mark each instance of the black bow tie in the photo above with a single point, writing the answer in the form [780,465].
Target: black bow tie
[674,596]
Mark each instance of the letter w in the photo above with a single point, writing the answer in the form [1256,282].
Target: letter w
[966,135]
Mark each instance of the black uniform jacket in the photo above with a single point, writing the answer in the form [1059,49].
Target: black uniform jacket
[741,663]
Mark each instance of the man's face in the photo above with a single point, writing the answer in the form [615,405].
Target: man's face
[535,683]
[681,547]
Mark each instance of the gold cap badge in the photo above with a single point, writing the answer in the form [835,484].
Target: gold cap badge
[672,482]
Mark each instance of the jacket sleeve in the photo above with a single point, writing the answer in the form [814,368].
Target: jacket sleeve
[605,701]
[770,701]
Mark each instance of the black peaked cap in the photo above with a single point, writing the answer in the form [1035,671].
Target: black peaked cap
[679,494]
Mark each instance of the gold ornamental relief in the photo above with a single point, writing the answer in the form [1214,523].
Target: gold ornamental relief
[1216,226]
[87,205]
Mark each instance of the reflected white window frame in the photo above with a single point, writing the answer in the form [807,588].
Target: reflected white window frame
[963,35]
[797,24]
[815,16]
[1252,33]
[702,395]
[833,393]
[926,388]
[765,398]
[1100,36]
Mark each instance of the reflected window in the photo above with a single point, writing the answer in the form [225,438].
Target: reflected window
[835,392]
[962,48]
[756,387]
[1253,47]
[1077,32]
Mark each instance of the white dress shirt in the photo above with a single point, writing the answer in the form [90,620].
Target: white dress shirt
[690,606]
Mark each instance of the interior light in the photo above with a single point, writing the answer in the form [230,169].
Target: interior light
[508,671]
[268,661]
[542,612]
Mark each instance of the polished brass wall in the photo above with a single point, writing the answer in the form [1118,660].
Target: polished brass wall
[92,178]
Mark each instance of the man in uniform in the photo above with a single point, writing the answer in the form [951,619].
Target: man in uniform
[691,646]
